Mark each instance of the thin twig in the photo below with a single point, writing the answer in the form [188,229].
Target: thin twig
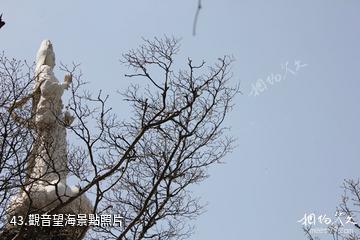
[196,17]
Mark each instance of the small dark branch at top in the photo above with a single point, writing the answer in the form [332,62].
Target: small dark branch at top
[198,9]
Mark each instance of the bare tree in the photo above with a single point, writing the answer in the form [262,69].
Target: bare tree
[142,168]
[348,209]
[15,139]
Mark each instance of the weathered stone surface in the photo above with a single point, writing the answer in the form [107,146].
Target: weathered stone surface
[47,163]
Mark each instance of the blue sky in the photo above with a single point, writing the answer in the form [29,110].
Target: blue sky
[297,140]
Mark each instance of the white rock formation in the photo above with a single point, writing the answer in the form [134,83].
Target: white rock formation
[48,160]
[45,56]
